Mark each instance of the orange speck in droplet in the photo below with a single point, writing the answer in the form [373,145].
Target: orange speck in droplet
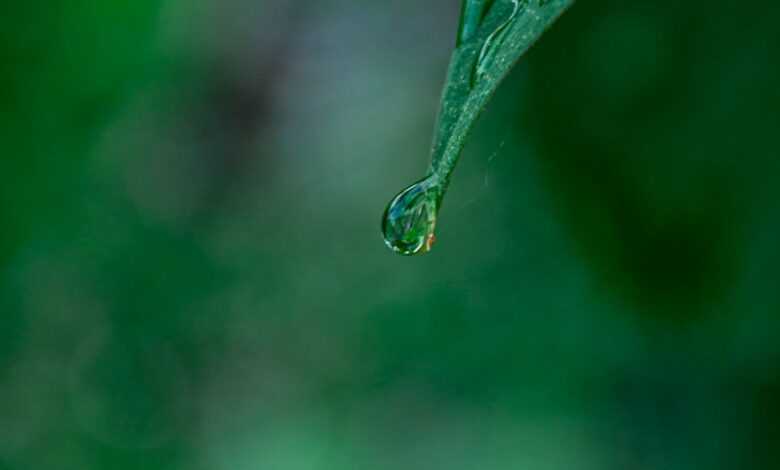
[429,242]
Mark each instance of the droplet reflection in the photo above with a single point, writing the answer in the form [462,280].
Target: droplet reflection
[409,221]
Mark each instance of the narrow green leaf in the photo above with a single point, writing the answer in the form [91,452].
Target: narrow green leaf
[493,36]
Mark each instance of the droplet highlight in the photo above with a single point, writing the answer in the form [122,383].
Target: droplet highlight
[409,221]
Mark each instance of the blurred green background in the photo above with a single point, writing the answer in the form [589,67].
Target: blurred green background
[192,276]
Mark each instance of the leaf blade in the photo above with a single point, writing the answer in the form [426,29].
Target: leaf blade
[462,103]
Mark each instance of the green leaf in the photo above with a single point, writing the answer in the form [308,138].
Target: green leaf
[506,30]
[493,36]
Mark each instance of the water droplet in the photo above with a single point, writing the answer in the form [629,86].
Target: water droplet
[492,43]
[410,219]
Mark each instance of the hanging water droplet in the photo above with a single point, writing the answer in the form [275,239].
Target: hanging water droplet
[492,43]
[410,219]
[493,35]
